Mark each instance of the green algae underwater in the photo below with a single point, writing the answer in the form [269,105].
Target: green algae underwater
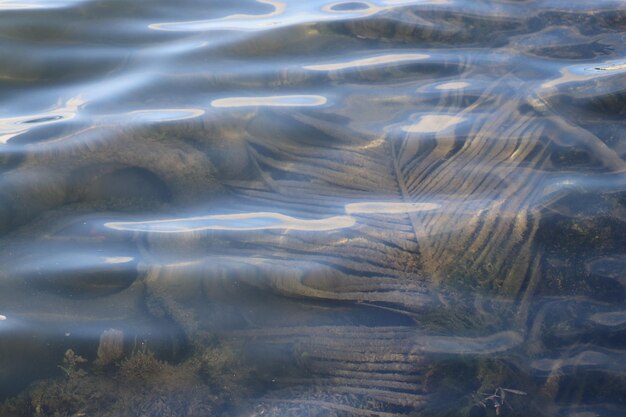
[280,208]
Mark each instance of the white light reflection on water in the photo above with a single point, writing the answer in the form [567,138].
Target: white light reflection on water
[163,115]
[586,72]
[118,259]
[613,319]
[282,15]
[431,123]
[47,4]
[234,222]
[389,207]
[271,101]
[13,126]
[268,221]
[45,259]
[232,22]
[369,62]
[454,85]
[612,67]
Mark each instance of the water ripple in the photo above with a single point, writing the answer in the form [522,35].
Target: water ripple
[271,101]
[383,207]
[234,222]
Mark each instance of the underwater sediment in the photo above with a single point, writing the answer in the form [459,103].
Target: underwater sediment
[267,208]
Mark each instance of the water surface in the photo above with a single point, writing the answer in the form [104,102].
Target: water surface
[290,208]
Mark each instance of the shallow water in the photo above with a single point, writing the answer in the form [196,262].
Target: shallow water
[290,208]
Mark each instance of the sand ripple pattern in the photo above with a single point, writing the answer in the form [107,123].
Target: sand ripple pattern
[384,207]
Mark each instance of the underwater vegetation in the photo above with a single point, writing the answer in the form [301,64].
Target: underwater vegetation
[210,382]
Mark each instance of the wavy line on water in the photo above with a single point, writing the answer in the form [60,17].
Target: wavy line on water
[234,222]
[284,14]
[67,259]
[586,72]
[431,123]
[369,62]
[612,319]
[389,207]
[453,85]
[271,101]
[29,5]
[269,220]
[13,126]
[163,115]
[281,16]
